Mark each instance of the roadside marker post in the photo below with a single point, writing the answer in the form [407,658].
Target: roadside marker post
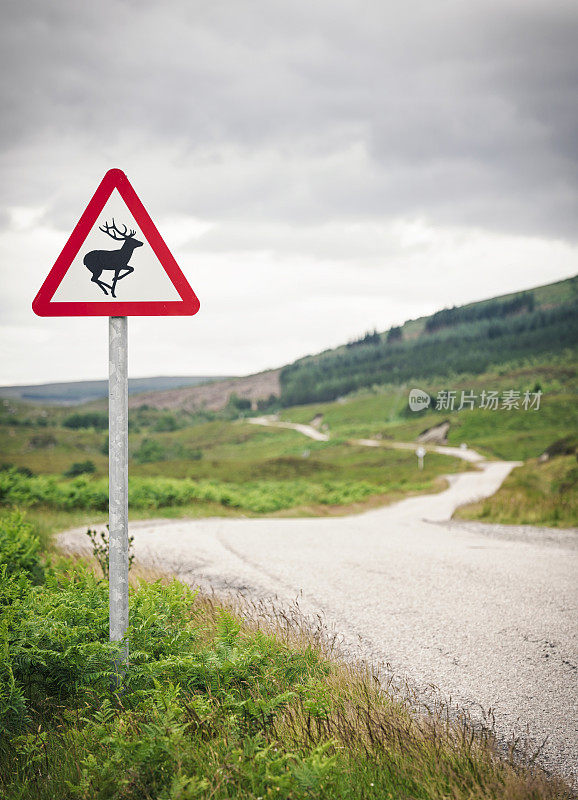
[86,281]
[420,453]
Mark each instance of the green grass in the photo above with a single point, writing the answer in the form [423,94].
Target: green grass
[215,704]
[535,494]
[322,479]
[232,468]
[510,435]
[518,435]
[51,449]
[242,469]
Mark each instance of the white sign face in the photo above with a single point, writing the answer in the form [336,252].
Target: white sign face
[420,452]
[116,255]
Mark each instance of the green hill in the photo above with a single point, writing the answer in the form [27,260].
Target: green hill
[469,339]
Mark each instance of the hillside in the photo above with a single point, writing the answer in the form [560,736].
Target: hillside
[84,391]
[469,339]
[213,396]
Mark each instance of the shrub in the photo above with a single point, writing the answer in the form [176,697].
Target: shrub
[20,548]
[99,541]
[60,642]
[149,450]
[42,441]
[81,468]
[166,423]
[17,490]
[154,493]
[56,639]
[89,419]
[236,403]
[271,403]
[26,471]
[12,700]
[562,447]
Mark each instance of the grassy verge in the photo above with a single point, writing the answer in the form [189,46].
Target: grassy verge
[215,704]
[534,494]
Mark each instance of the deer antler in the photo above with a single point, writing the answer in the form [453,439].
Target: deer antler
[112,230]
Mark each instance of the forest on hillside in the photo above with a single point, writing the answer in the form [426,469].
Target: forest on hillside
[455,343]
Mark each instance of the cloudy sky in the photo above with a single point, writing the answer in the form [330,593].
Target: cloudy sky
[318,169]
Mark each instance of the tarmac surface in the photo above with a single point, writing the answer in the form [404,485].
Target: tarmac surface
[486,613]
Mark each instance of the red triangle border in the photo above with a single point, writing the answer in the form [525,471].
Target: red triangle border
[43,305]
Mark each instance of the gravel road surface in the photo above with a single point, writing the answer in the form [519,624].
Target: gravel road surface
[488,618]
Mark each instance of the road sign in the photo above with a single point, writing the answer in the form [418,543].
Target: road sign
[94,277]
[115,263]
[420,453]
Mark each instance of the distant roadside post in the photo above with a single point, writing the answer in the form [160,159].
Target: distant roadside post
[85,281]
[420,453]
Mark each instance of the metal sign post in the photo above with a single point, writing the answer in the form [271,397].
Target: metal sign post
[118,484]
[139,278]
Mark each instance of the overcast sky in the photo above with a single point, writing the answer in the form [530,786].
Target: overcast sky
[318,169]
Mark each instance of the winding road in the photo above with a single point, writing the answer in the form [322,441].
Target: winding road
[486,614]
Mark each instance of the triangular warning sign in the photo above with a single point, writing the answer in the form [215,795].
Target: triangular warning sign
[115,263]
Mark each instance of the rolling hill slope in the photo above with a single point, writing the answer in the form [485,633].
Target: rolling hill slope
[468,339]
[75,392]
[471,339]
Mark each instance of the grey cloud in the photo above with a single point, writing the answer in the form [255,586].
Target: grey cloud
[298,112]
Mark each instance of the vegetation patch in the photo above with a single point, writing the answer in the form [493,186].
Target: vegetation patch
[535,494]
[213,706]
[80,468]
[491,309]
[90,419]
[511,435]
[154,493]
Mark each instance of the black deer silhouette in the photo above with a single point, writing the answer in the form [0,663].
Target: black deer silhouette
[116,260]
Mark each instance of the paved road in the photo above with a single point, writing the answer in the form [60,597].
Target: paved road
[271,421]
[489,619]
[306,430]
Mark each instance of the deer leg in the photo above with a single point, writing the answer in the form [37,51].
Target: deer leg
[94,279]
[127,272]
[114,282]
[118,277]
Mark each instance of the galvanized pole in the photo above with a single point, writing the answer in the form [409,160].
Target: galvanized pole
[118,485]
